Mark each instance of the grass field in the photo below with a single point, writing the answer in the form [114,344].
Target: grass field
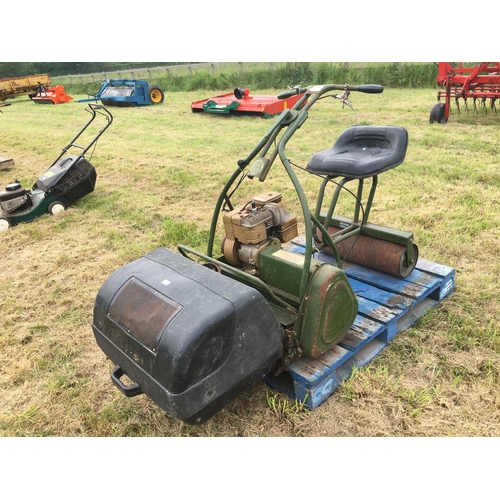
[160,169]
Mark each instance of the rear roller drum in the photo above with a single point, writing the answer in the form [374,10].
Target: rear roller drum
[375,253]
[405,267]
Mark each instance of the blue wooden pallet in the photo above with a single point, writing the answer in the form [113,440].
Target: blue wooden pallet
[387,306]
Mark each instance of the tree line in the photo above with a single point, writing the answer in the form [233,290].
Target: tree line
[16,69]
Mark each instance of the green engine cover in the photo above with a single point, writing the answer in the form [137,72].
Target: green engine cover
[329,306]
[327,311]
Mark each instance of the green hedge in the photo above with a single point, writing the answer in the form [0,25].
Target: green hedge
[408,75]
[390,75]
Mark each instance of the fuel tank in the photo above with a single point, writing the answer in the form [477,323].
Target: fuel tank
[185,335]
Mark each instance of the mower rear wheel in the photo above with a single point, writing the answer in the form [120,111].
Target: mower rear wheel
[56,208]
[155,93]
[4,224]
[437,113]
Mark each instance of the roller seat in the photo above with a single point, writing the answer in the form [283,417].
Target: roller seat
[362,151]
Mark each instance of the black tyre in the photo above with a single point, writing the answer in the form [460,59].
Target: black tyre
[437,113]
[155,94]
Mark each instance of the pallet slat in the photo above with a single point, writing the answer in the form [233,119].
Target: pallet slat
[387,306]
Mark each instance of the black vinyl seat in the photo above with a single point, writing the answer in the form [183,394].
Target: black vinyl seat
[362,151]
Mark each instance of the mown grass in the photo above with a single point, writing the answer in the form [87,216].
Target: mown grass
[160,169]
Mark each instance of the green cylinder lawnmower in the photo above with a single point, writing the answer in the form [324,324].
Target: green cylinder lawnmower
[194,330]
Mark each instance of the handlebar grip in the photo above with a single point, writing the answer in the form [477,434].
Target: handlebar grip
[289,93]
[286,94]
[370,89]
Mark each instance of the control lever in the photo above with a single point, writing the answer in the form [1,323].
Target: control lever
[344,97]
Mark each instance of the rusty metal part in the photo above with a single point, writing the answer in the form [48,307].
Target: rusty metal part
[213,267]
[229,248]
[375,253]
[290,352]
[148,322]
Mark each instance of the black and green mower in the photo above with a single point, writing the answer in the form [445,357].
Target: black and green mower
[68,179]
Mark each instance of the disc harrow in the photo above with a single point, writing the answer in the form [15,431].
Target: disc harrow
[477,84]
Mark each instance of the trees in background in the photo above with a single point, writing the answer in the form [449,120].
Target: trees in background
[15,69]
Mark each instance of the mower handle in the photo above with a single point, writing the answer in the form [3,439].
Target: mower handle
[131,390]
[368,88]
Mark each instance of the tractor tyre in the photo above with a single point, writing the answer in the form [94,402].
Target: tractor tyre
[437,113]
[56,208]
[4,224]
[155,94]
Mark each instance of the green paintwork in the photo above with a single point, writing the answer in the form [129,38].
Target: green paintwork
[313,300]
[381,232]
[327,311]
[41,204]
[213,107]
[282,270]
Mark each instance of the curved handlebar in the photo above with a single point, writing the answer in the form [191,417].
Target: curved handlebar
[289,93]
[368,88]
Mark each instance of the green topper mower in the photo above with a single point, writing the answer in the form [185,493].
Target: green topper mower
[193,331]
[68,179]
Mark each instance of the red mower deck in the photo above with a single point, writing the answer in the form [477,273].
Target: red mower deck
[241,102]
[51,95]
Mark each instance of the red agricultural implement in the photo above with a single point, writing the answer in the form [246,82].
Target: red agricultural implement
[241,102]
[50,95]
[478,83]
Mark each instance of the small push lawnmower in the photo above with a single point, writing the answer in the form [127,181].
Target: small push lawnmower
[193,331]
[127,93]
[68,179]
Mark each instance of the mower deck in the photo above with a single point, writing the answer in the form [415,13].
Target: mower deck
[387,306]
[237,103]
[51,95]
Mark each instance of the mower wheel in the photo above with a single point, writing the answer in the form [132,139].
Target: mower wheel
[56,208]
[437,113]
[4,224]
[155,93]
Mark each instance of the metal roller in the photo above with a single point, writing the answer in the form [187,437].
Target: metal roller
[381,255]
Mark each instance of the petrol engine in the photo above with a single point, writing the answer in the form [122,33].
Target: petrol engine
[259,223]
